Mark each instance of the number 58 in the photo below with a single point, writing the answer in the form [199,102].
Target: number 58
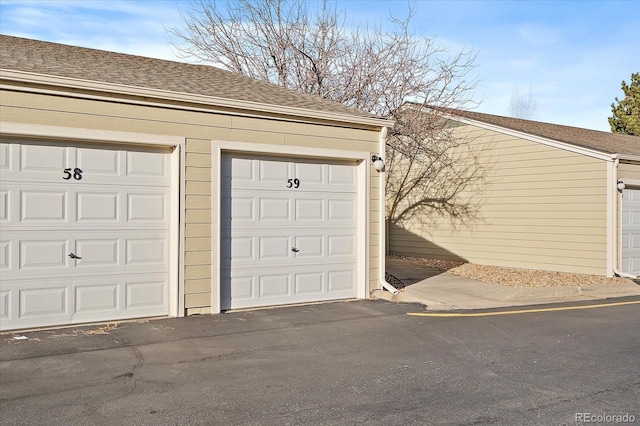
[77,174]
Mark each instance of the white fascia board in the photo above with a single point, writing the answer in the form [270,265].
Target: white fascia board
[626,157]
[533,138]
[112,88]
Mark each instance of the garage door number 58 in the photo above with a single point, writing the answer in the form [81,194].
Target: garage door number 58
[77,174]
[293,183]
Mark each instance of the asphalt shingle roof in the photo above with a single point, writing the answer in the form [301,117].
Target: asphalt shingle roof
[21,54]
[610,143]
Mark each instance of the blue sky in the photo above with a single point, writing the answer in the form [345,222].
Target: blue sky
[570,55]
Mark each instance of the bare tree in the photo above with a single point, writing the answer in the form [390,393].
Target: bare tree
[522,105]
[306,46]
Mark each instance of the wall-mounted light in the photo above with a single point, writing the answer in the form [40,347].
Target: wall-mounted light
[621,185]
[378,162]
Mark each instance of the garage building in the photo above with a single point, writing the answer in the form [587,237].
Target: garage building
[551,197]
[135,187]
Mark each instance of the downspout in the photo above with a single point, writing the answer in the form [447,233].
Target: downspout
[616,222]
[381,218]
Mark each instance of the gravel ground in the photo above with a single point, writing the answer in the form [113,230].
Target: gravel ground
[512,276]
[395,282]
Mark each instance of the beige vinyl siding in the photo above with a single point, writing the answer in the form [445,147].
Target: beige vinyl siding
[541,207]
[199,129]
[629,171]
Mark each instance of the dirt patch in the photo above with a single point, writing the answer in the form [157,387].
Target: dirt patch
[512,276]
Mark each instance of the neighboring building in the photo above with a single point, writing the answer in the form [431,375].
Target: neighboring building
[550,201]
[136,187]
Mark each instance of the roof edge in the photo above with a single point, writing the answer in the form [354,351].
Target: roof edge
[113,88]
[602,155]
[626,157]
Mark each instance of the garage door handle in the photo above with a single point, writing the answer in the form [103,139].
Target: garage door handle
[73,256]
[295,250]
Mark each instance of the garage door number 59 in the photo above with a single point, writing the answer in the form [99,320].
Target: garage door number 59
[293,183]
[77,174]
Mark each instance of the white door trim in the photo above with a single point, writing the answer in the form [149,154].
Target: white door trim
[360,158]
[72,134]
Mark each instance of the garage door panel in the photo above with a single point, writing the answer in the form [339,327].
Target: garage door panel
[92,297]
[41,207]
[309,246]
[45,160]
[107,206]
[341,281]
[630,233]
[274,209]
[148,167]
[5,304]
[148,207]
[5,255]
[278,209]
[309,283]
[147,251]
[242,209]
[341,246]
[309,210]
[147,295]
[41,303]
[44,206]
[236,170]
[275,246]
[272,174]
[277,174]
[343,176]
[341,210]
[59,301]
[36,254]
[83,164]
[288,230]
[97,252]
[48,254]
[5,205]
[242,248]
[5,158]
[273,286]
[239,290]
[98,206]
[44,300]
[310,173]
[99,163]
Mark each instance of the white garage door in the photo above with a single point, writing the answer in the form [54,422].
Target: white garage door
[288,231]
[631,231]
[85,233]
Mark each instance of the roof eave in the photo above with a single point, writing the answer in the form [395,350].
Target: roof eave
[534,138]
[626,157]
[166,95]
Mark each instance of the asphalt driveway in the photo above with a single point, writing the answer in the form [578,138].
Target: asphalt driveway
[336,363]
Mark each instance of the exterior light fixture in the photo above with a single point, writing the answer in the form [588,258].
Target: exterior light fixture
[378,162]
[621,185]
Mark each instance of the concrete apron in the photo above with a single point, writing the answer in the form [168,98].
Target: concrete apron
[443,291]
